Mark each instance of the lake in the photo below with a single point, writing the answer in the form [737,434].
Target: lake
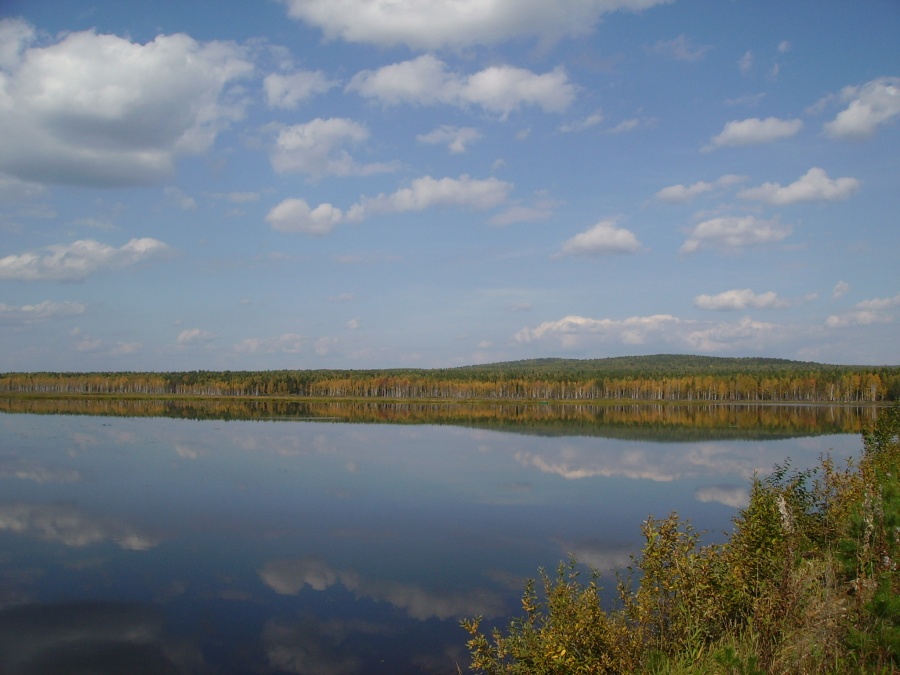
[279,537]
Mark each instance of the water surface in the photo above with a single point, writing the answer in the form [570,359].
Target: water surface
[227,545]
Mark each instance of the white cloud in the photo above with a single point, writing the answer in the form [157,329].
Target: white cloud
[521,214]
[814,185]
[289,577]
[870,105]
[840,289]
[867,313]
[604,238]
[178,197]
[426,80]
[101,110]
[680,49]
[26,314]
[289,343]
[316,148]
[745,334]
[573,331]
[582,124]
[740,299]
[68,525]
[503,89]
[746,63]
[432,24]
[734,232]
[630,124]
[662,331]
[677,194]
[287,91]
[15,36]
[195,336]
[80,259]
[736,497]
[428,192]
[754,131]
[294,215]
[456,138]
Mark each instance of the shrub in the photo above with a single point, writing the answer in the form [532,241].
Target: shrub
[808,582]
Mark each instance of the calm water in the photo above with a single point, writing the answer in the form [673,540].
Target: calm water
[165,545]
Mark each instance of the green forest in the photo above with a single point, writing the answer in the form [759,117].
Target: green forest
[663,377]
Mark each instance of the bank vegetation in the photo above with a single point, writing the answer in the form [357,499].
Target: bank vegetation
[808,582]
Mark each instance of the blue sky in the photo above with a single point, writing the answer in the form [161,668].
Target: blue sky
[426,183]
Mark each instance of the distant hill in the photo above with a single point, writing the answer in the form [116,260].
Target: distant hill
[657,364]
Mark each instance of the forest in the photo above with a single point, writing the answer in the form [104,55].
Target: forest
[642,378]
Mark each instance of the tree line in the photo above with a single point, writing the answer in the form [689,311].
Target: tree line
[651,378]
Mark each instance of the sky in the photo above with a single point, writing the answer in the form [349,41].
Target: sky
[430,183]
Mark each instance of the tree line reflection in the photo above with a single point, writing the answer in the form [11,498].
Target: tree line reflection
[644,421]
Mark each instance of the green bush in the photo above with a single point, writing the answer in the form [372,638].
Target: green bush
[807,583]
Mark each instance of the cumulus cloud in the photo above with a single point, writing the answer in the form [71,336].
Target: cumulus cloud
[871,105]
[572,461]
[27,314]
[840,289]
[572,330]
[427,192]
[734,232]
[740,299]
[867,313]
[746,63]
[666,331]
[289,577]
[101,110]
[317,148]
[733,496]
[680,49]
[288,91]
[582,124]
[80,259]
[754,131]
[295,215]
[432,24]
[426,80]
[814,185]
[679,194]
[456,138]
[604,238]
[68,525]
[745,334]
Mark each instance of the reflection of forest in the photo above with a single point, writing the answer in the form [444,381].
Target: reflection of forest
[660,422]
